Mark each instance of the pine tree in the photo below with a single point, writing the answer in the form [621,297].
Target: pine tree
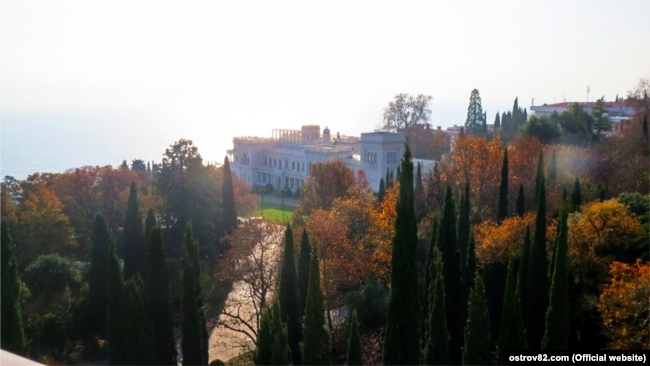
[557,314]
[576,196]
[13,335]
[538,177]
[355,349]
[139,340]
[521,202]
[436,350]
[477,330]
[97,279]
[159,301]
[537,276]
[264,351]
[382,191]
[497,121]
[401,341]
[192,342]
[280,352]
[303,271]
[133,249]
[503,189]
[512,335]
[552,170]
[288,296]
[419,200]
[463,226]
[447,242]
[316,347]
[474,114]
[522,278]
[114,323]
[229,215]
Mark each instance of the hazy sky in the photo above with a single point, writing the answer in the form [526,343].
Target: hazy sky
[210,70]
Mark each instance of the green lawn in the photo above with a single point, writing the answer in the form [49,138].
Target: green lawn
[273,212]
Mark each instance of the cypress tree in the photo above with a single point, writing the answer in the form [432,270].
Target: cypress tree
[316,347]
[463,226]
[539,176]
[288,296]
[436,350]
[192,341]
[521,202]
[391,179]
[139,340]
[114,323]
[471,266]
[397,175]
[522,280]
[229,215]
[601,192]
[512,335]
[645,126]
[382,191]
[477,330]
[557,314]
[280,352]
[537,276]
[447,242]
[355,349]
[429,277]
[159,301]
[133,249]
[552,170]
[13,336]
[388,183]
[401,341]
[576,196]
[303,271]
[264,351]
[419,200]
[503,189]
[497,121]
[97,278]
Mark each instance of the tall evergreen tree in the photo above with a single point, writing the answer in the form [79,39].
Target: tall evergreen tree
[471,266]
[134,258]
[539,176]
[601,193]
[645,126]
[192,341]
[537,276]
[288,296]
[303,271]
[401,341]
[388,176]
[419,200]
[316,347]
[97,278]
[436,350]
[13,336]
[497,121]
[552,169]
[429,277]
[114,323]
[280,352]
[397,175]
[434,191]
[264,351]
[557,314]
[512,335]
[521,202]
[464,226]
[522,280]
[229,215]
[576,196]
[139,340]
[355,350]
[149,223]
[382,191]
[474,114]
[477,331]
[159,301]
[503,189]
[448,244]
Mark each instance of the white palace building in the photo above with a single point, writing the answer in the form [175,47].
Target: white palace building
[284,160]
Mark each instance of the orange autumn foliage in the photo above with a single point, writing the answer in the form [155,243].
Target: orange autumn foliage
[624,306]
